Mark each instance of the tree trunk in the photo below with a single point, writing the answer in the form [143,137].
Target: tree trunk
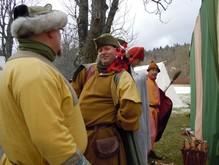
[9,40]
[99,24]
[82,22]
[7,7]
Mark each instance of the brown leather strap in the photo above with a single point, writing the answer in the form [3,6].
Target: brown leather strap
[104,125]
[154,106]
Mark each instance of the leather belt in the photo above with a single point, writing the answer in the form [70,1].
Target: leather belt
[154,106]
[104,125]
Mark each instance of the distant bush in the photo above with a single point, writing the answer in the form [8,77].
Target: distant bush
[176,58]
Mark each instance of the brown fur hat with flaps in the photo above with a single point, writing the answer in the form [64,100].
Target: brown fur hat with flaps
[153,65]
[33,20]
[105,39]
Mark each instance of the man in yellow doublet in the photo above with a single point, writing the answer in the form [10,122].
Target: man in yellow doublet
[109,100]
[40,118]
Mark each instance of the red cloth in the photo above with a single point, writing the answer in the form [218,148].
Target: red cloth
[121,62]
[136,53]
[165,110]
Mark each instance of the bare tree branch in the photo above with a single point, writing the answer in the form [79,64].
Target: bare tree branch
[111,15]
[161,5]
[6,8]
[6,11]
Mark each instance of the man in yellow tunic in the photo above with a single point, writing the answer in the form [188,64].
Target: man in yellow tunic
[154,103]
[40,118]
[109,101]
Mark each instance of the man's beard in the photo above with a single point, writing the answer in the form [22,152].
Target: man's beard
[59,53]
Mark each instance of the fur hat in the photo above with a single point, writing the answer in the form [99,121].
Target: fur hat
[36,19]
[105,39]
[153,65]
[136,53]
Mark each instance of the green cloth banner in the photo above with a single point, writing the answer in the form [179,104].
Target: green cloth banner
[210,79]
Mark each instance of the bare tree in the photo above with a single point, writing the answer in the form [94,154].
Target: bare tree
[96,17]
[89,19]
[102,15]
[93,18]
[159,6]
[6,8]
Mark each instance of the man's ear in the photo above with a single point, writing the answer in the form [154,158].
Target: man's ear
[51,34]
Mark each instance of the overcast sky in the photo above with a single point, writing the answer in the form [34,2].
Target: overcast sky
[180,17]
[180,20]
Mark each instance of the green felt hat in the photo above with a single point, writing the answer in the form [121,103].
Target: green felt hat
[105,39]
[121,41]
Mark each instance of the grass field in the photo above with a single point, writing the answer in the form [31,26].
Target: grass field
[172,141]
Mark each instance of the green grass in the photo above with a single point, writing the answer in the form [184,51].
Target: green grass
[172,141]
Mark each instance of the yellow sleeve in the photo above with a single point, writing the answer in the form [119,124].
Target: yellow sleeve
[128,115]
[129,103]
[79,81]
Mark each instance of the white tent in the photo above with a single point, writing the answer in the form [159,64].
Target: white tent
[163,81]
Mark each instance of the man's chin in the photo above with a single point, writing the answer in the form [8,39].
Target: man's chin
[106,62]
